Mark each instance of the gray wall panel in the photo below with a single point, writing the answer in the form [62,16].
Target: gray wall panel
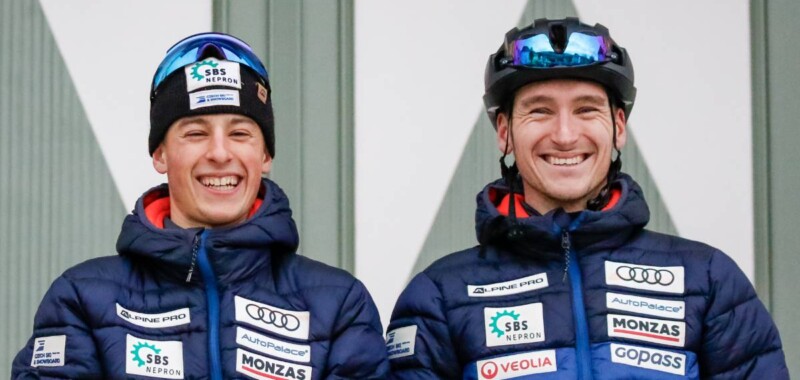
[58,202]
[776,53]
[454,228]
[308,50]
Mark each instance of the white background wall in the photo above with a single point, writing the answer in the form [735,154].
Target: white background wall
[419,72]
[111,49]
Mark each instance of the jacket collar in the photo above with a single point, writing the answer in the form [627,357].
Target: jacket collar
[588,230]
[234,252]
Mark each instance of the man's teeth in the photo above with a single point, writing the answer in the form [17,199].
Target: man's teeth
[565,161]
[223,183]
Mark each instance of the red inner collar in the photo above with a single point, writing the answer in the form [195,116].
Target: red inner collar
[158,209]
[503,207]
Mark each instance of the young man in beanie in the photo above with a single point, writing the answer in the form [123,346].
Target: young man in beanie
[566,282]
[207,283]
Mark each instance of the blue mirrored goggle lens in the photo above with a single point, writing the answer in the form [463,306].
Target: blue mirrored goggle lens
[187,51]
[582,49]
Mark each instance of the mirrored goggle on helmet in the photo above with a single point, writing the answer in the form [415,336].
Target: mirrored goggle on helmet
[193,48]
[537,51]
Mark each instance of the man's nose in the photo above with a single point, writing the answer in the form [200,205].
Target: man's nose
[566,132]
[218,149]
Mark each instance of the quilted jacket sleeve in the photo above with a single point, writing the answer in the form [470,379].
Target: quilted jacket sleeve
[419,343]
[357,350]
[740,340]
[61,344]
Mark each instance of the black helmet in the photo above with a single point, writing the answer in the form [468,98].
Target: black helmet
[547,49]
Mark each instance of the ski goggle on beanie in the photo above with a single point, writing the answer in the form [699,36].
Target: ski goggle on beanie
[537,51]
[210,73]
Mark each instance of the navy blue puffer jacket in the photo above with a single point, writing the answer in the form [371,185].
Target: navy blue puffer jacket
[231,303]
[618,302]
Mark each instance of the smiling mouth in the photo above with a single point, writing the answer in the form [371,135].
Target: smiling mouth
[566,161]
[220,183]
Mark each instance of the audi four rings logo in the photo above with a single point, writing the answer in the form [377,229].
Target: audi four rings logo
[646,275]
[273,317]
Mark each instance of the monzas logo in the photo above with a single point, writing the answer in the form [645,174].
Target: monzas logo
[512,366]
[650,358]
[213,72]
[271,346]
[162,359]
[261,367]
[514,325]
[520,285]
[671,333]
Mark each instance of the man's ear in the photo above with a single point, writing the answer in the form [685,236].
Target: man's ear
[266,166]
[160,159]
[622,130]
[504,142]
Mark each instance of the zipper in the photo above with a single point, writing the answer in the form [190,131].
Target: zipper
[584,357]
[212,299]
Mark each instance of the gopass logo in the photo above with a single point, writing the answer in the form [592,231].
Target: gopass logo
[507,367]
[650,358]
[514,325]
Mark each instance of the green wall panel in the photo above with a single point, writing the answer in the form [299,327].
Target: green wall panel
[776,54]
[58,202]
[308,50]
[454,225]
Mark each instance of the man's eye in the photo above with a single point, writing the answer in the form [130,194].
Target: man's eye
[194,134]
[541,110]
[588,109]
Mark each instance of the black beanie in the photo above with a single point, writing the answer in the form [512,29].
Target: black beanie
[209,87]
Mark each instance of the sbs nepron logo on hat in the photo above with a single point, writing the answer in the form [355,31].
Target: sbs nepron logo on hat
[212,72]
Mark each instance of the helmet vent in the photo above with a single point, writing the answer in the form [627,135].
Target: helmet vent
[210,50]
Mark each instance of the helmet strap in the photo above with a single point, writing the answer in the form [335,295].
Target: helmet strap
[509,174]
[598,202]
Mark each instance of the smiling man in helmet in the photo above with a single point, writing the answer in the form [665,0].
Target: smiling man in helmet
[207,283]
[566,282]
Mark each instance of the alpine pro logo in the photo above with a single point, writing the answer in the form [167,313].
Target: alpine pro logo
[169,319]
[212,72]
[649,358]
[520,285]
[659,279]
[514,325]
[671,333]
[645,305]
[507,367]
[154,358]
[262,367]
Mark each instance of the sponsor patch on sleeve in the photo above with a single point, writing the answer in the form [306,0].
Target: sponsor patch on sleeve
[49,351]
[514,325]
[294,324]
[649,358]
[169,319]
[212,72]
[153,358]
[520,285]
[273,347]
[210,98]
[645,277]
[264,368]
[671,333]
[513,366]
[646,305]
[400,341]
